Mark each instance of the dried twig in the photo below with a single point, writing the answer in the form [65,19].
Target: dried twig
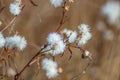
[12,21]
[77,47]
[70,51]
[34,4]
[16,77]
[62,19]
[79,74]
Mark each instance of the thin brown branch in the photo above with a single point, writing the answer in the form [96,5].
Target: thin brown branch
[16,77]
[62,19]
[82,50]
[79,74]
[77,47]
[27,65]
[12,21]
[70,51]
[34,4]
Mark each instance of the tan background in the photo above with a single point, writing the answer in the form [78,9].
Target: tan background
[36,22]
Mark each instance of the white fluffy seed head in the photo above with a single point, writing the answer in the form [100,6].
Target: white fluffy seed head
[48,64]
[83,28]
[52,73]
[85,34]
[82,41]
[50,67]
[56,49]
[71,35]
[11,72]
[55,44]
[2,40]
[111,10]
[15,8]
[53,38]
[85,37]
[15,42]
[56,3]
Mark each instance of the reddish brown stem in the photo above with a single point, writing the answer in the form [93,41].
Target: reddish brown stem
[62,19]
[28,64]
[70,53]
[34,4]
[77,47]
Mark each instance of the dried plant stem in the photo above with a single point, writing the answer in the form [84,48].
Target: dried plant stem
[77,47]
[9,24]
[89,57]
[16,77]
[18,74]
[70,51]
[34,4]
[62,19]
[79,74]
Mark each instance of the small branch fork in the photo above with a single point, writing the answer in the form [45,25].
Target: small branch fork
[12,21]
[82,50]
[39,53]
[87,66]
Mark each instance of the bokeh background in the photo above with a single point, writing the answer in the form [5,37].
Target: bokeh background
[36,22]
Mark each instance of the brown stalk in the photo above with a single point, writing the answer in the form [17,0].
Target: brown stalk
[70,51]
[79,74]
[17,76]
[62,19]
[12,21]
[34,4]
[77,47]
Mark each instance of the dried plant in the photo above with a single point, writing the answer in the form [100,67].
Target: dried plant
[57,43]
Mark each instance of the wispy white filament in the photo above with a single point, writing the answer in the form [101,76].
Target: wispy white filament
[15,8]
[55,44]
[85,34]
[83,28]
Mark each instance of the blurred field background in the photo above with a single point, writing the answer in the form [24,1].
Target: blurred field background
[35,23]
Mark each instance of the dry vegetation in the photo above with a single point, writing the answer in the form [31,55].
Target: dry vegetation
[35,22]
